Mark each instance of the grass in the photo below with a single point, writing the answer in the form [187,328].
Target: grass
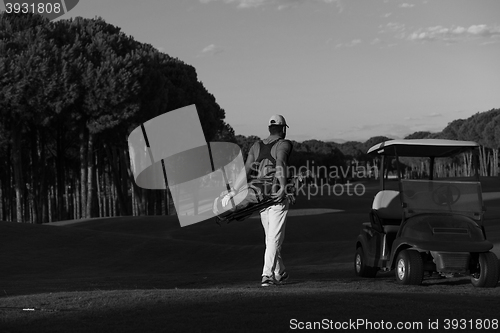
[146,274]
[234,309]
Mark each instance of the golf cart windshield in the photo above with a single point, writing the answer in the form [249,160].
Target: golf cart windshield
[426,196]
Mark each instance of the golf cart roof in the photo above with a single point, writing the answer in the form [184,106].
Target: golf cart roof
[422,147]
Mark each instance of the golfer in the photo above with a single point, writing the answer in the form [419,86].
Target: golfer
[266,166]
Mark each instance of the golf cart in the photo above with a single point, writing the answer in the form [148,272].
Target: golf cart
[426,225]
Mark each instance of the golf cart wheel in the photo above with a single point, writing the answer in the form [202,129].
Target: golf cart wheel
[409,267]
[486,274]
[360,267]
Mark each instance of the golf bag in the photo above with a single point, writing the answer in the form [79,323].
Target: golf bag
[251,198]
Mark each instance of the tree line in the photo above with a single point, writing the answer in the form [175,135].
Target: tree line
[70,93]
[482,127]
[328,161]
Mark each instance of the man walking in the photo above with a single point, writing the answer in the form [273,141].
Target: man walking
[267,164]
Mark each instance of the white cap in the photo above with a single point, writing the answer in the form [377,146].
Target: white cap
[278,119]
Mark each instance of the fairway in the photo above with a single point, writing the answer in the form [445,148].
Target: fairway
[130,274]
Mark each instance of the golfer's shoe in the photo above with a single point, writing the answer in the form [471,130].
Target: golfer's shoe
[283,278]
[268,281]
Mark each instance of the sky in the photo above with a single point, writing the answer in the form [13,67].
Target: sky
[335,69]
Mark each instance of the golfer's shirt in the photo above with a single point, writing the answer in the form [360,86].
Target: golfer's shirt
[263,171]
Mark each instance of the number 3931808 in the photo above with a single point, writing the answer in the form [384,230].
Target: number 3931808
[51,9]
[471,324]
[36,8]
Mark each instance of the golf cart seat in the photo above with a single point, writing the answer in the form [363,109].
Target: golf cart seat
[387,207]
